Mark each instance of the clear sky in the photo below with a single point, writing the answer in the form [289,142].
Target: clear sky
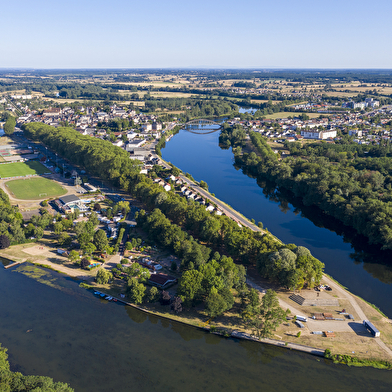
[203,33]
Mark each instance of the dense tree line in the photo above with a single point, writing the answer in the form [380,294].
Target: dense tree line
[17,382]
[222,233]
[175,223]
[99,157]
[340,179]
[11,221]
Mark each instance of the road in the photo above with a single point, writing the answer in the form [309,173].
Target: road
[236,216]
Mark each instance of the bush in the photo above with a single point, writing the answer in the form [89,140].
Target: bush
[103,276]
[176,305]
[165,298]
[4,241]
[85,262]
[44,203]
[153,295]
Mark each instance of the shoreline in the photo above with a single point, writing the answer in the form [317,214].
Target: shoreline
[82,276]
[234,334]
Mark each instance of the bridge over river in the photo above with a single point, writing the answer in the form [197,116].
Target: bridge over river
[202,126]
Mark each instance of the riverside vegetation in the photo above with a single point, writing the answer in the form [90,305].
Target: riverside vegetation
[207,244]
[214,250]
[15,381]
[348,181]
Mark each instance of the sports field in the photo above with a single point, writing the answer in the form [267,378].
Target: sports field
[22,169]
[34,188]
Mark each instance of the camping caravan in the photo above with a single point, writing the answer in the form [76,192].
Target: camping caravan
[371,328]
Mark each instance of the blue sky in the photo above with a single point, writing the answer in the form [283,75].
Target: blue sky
[214,34]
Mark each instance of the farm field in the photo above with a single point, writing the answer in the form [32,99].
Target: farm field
[22,169]
[34,188]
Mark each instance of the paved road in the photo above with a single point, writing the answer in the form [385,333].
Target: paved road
[224,207]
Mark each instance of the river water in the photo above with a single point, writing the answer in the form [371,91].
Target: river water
[201,156]
[53,327]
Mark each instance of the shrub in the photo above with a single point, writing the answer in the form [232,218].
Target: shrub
[165,298]
[84,263]
[4,241]
[153,295]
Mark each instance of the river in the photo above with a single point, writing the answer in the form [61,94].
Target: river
[53,327]
[201,156]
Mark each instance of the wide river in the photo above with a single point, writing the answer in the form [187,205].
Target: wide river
[201,156]
[53,327]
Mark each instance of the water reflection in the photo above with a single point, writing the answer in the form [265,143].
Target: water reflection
[104,347]
[334,244]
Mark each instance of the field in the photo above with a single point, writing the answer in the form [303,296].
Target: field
[34,188]
[22,169]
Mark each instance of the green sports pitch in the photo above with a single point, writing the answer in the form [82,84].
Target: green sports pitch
[22,169]
[34,188]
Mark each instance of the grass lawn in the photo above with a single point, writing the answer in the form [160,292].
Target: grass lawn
[35,188]
[22,169]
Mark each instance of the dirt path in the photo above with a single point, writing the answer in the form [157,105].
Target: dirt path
[75,273]
[283,304]
[346,295]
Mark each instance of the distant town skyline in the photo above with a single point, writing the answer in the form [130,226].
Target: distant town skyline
[177,34]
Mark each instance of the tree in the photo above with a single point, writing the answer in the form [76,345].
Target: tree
[88,248]
[204,185]
[165,298]
[73,255]
[9,125]
[64,240]
[153,294]
[136,290]
[93,219]
[100,240]
[38,232]
[189,287]
[128,245]
[12,382]
[271,315]
[103,276]
[4,241]
[215,303]
[84,263]
[97,207]
[176,305]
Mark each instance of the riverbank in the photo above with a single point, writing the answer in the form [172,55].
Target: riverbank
[359,343]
